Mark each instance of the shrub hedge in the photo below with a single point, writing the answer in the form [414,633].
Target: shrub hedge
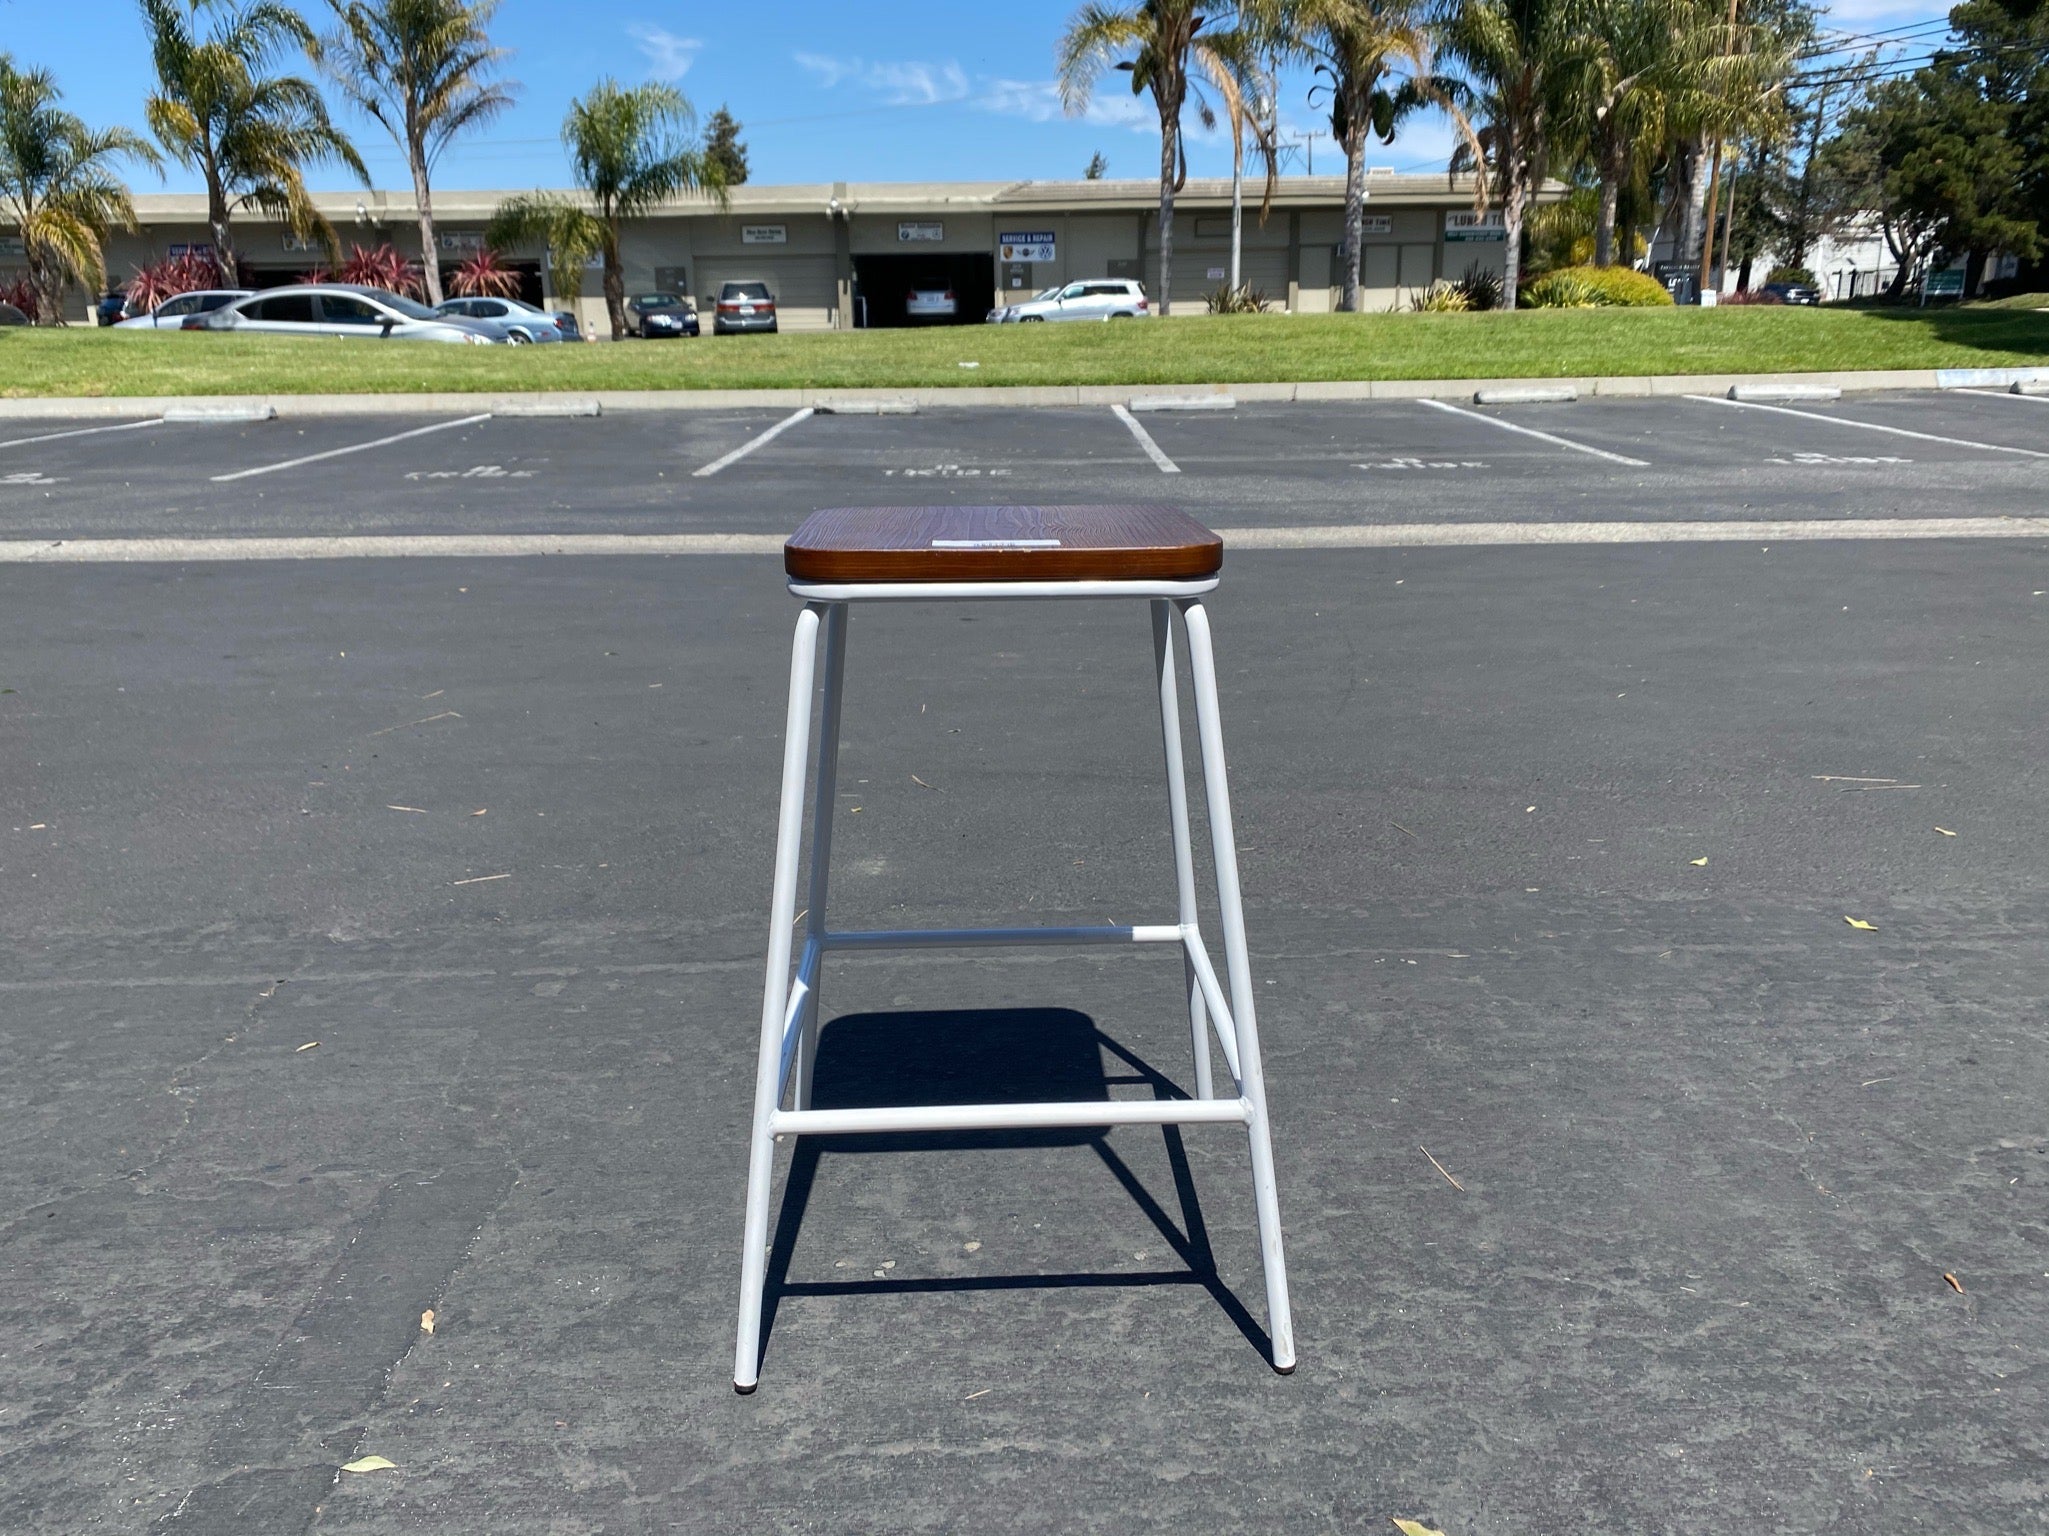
[1581,287]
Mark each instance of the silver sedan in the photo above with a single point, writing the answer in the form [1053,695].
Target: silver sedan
[338,309]
[506,319]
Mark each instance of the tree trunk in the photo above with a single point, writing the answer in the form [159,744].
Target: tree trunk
[615,282]
[1170,128]
[1355,216]
[1604,222]
[1237,203]
[1743,276]
[430,259]
[1513,168]
[47,284]
[223,237]
[1693,202]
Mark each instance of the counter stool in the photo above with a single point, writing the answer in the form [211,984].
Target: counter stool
[898,554]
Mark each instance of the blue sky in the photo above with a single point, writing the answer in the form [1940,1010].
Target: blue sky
[892,91]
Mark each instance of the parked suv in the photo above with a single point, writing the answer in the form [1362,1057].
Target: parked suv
[747,306]
[1095,298]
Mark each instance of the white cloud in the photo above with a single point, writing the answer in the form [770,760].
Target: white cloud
[900,83]
[1038,101]
[669,57]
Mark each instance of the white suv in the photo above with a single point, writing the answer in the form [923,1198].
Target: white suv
[1095,298]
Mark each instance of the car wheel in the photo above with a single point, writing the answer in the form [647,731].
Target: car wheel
[1031,319]
[518,338]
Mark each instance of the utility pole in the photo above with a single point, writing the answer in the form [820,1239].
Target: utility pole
[1707,250]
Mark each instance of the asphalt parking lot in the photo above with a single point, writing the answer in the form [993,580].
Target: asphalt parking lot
[388,933]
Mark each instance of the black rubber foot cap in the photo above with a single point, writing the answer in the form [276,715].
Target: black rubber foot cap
[1284,1370]
[745,1391]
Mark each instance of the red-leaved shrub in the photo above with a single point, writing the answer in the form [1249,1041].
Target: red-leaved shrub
[169,276]
[382,268]
[485,276]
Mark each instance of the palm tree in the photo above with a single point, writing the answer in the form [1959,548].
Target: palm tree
[1515,56]
[1161,38]
[630,150]
[421,69]
[57,186]
[246,132]
[1373,57]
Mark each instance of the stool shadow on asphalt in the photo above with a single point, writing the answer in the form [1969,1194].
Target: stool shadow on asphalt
[990,1056]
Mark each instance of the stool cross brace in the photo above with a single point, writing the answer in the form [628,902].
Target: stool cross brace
[790,1012]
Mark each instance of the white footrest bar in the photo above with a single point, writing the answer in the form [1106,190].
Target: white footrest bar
[965,938]
[1010,1117]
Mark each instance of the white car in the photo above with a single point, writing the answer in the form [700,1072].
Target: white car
[930,304]
[338,309]
[172,314]
[1095,298]
[509,319]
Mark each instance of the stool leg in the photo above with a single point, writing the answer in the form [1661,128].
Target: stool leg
[1177,814]
[823,795]
[1202,664]
[782,914]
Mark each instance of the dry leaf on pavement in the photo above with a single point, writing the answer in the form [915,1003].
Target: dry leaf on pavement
[369,1464]
[1415,1528]
[1860,925]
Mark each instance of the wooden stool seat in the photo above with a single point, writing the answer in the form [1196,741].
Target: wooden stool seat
[851,545]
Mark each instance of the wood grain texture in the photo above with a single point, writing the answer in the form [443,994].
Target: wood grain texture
[1100,543]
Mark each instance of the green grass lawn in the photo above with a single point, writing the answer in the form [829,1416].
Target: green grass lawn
[1219,349]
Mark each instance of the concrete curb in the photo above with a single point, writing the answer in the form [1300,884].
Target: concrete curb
[100,407]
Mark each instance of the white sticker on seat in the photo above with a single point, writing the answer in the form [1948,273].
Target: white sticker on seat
[995,543]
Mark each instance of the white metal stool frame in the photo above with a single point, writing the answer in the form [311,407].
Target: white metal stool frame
[789,1008]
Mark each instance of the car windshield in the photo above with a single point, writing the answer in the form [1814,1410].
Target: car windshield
[657,300]
[1046,293]
[399,302]
[744,291]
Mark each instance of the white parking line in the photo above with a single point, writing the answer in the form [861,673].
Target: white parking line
[753,443]
[335,453]
[2004,394]
[1868,426]
[51,437]
[1145,440]
[1333,536]
[1546,437]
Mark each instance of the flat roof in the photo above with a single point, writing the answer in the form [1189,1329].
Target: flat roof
[1383,188]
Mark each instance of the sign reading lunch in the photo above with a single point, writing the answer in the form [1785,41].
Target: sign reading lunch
[1474,226]
[1027,245]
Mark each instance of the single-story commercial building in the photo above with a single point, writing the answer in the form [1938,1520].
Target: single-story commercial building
[844,254]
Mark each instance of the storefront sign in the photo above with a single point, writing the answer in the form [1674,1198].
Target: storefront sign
[764,234]
[1376,224]
[1474,226]
[1216,274]
[11,245]
[1027,245]
[292,242]
[459,241]
[921,231]
[188,250]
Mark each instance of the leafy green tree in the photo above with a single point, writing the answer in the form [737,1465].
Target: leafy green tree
[57,186]
[1372,58]
[1516,64]
[248,133]
[631,150]
[422,70]
[724,150]
[1167,47]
